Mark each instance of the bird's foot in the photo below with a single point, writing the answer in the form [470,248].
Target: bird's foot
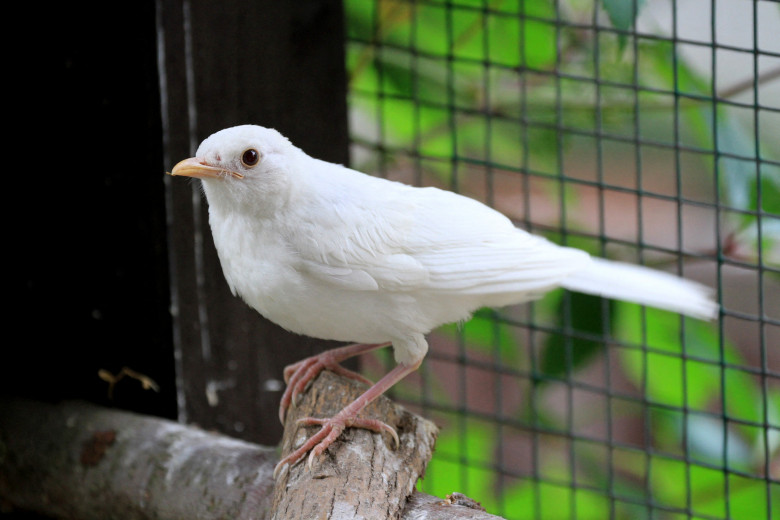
[299,374]
[330,430]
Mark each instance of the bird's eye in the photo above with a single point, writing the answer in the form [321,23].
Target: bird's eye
[250,157]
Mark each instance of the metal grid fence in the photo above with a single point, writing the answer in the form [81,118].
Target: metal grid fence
[645,131]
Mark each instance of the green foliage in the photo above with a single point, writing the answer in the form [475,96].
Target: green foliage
[486,333]
[622,13]
[578,321]
[462,465]
[748,183]
[433,99]
[580,337]
[506,84]
[681,364]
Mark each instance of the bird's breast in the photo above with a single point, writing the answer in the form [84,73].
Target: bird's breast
[265,271]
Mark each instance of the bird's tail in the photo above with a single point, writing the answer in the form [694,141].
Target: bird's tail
[638,284]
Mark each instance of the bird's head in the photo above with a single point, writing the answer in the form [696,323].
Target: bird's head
[244,166]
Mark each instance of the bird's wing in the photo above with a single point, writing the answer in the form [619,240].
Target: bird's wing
[398,238]
[353,236]
[472,249]
[368,272]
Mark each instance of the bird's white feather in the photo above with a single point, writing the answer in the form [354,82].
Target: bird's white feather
[638,284]
[330,252]
[434,241]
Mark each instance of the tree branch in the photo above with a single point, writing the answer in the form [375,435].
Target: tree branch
[76,460]
[79,461]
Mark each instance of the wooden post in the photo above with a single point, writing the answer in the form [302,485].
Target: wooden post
[277,64]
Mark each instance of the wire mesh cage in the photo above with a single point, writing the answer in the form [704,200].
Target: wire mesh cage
[640,131]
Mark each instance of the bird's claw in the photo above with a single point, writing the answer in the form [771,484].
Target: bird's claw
[330,430]
[375,425]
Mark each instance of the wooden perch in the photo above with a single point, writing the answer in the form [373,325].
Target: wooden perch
[362,474]
[79,461]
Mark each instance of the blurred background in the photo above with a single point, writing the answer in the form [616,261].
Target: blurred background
[639,130]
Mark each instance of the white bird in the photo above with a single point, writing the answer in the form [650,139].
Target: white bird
[332,253]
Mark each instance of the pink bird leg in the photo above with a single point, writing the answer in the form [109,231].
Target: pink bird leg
[299,374]
[332,427]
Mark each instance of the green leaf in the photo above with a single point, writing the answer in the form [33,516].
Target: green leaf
[685,485]
[543,499]
[538,32]
[690,369]
[486,333]
[660,344]
[674,480]
[748,498]
[463,463]
[622,13]
[565,353]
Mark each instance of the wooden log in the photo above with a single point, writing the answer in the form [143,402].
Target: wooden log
[79,461]
[361,475]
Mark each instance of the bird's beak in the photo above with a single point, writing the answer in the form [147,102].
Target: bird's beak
[197,167]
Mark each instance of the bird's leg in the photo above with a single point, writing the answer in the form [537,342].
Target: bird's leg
[298,375]
[347,417]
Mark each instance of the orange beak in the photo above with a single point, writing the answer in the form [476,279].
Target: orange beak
[197,167]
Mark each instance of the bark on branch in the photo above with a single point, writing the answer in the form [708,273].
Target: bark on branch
[79,461]
[361,475]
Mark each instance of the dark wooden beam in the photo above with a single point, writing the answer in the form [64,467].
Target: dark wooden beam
[276,64]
